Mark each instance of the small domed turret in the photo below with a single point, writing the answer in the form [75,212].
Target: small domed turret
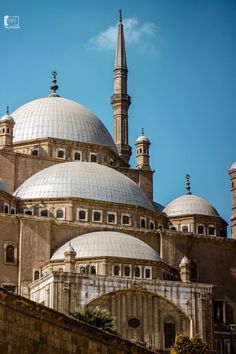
[6,130]
[142,152]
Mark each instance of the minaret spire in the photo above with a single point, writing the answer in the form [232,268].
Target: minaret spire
[54,87]
[188,187]
[121,100]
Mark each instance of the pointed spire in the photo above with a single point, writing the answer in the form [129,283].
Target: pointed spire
[188,187]
[120,61]
[120,15]
[54,87]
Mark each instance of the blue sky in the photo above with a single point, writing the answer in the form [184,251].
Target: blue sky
[182,78]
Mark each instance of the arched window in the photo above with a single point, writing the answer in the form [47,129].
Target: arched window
[36,275]
[82,270]
[116,270]
[6,209]
[143,223]
[147,273]
[35,152]
[3,130]
[8,130]
[127,271]
[77,156]
[60,214]
[200,229]
[12,211]
[93,270]
[60,269]
[172,228]
[28,212]
[137,272]
[185,228]
[151,225]
[87,269]
[61,154]
[10,254]
[44,213]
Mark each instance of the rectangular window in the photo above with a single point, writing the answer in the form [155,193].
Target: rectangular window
[93,157]
[111,218]
[169,329]
[97,216]
[82,214]
[125,219]
[219,310]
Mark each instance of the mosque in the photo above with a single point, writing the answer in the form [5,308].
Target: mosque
[79,226]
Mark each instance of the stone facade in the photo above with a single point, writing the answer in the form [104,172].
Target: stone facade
[27,327]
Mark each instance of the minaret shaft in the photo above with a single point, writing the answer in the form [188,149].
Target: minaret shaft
[120,100]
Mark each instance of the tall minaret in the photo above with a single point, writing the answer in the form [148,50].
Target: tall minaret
[120,100]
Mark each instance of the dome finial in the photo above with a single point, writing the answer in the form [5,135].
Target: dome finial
[120,16]
[54,86]
[188,187]
[142,133]
[7,110]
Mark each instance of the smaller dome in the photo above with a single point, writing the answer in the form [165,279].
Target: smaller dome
[108,244]
[233,166]
[3,187]
[189,204]
[142,138]
[184,261]
[7,117]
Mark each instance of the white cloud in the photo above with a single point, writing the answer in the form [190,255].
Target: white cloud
[135,33]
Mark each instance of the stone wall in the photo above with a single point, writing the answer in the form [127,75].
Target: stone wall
[30,328]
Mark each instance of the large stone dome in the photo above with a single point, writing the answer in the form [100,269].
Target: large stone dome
[189,204]
[83,180]
[108,244]
[61,118]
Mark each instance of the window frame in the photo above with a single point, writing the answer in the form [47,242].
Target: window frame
[101,216]
[35,149]
[129,216]
[86,214]
[77,152]
[204,229]
[64,213]
[112,213]
[93,154]
[6,205]
[64,153]
[144,272]
[26,210]
[142,220]
[42,210]
[151,222]
[211,227]
[113,270]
